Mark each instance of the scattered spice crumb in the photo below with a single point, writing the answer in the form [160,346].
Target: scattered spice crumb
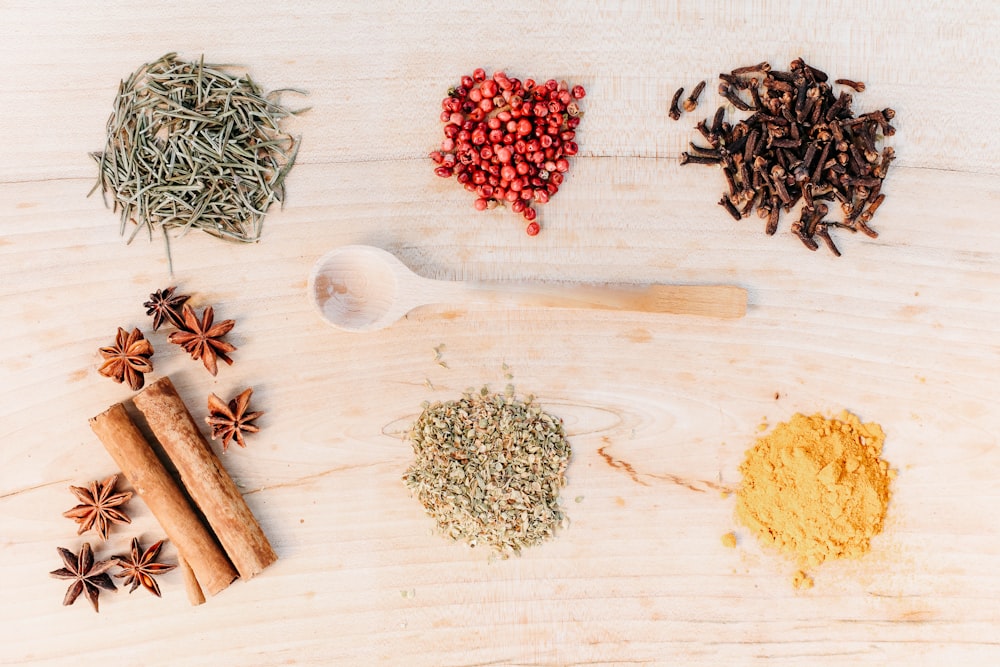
[578,499]
[729,540]
[801,580]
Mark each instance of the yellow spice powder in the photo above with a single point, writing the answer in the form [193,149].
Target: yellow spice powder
[816,488]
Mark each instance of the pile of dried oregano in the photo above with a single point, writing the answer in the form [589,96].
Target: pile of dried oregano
[489,468]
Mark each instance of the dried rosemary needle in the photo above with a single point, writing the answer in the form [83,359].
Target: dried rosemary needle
[191,146]
[488,468]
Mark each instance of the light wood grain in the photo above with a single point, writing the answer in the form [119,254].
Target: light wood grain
[902,330]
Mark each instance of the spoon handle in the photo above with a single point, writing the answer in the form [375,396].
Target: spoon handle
[724,301]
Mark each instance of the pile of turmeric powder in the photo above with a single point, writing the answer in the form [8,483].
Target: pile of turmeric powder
[816,489]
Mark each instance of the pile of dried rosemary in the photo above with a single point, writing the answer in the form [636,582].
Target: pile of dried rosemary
[488,468]
[192,146]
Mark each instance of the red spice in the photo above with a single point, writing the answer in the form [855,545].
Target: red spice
[508,140]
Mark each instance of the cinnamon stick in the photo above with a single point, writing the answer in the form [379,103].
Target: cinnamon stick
[206,481]
[143,469]
[191,585]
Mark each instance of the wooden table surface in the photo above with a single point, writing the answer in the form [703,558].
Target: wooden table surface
[903,330]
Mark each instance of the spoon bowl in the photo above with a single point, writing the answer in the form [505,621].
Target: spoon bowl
[362,288]
[356,287]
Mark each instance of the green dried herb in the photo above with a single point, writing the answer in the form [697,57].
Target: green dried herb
[488,468]
[191,146]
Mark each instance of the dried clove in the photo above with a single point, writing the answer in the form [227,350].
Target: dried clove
[759,67]
[720,113]
[688,158]
[727,92]
[858,86]
[727,204]
[800,143]
[691,103]
[675,111]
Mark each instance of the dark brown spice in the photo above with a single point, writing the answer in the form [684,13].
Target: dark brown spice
[88,577]
[165,307]
[730,94]
[801,142]
[699,159]
[675,110]
[691,103]
[727,204]
[759,67]
[858,86]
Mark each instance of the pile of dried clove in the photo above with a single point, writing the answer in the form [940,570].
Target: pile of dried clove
[801,142]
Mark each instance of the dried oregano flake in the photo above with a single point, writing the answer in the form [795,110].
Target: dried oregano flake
[488,468]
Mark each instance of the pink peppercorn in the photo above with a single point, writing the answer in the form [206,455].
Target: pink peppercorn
[508,139]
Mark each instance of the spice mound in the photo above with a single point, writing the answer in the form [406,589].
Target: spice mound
[488,468]
[816,488]
[191,145]
[508,140]
[801,141]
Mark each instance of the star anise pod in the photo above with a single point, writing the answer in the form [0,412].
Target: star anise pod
[140,567]
[202,339]
[229,422]
[97,508]
[127,359]
[165,307]
[87,576]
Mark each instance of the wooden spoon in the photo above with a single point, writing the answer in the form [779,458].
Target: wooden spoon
[362,288]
